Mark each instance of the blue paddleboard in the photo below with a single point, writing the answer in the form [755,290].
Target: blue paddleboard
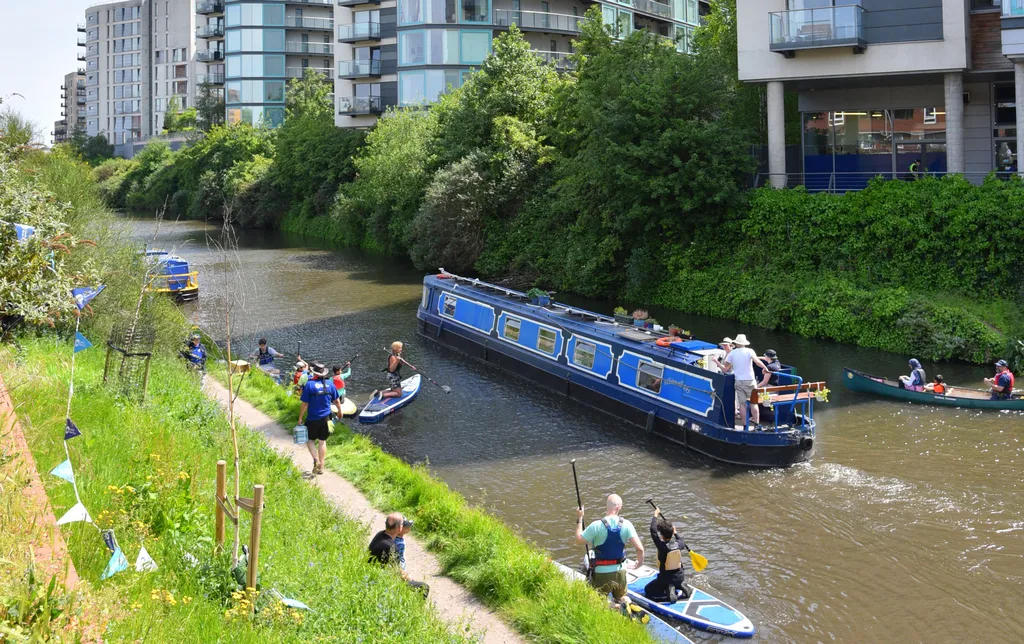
[377,409]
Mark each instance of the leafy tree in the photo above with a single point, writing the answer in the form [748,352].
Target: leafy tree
[92,149]
[177,120]
[209,107]
[309,96]
[16,131]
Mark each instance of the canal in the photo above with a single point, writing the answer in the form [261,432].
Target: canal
[907,525]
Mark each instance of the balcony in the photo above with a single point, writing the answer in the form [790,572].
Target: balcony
[359,31]
[297,22]
[206,7]
[353,3]
[360,105]
[81,42]
[655,8]
[81,28]
[81,58]
[322,3]
[80,84]
[358,68]
[299,72]
[209,55]
[80,101]
[316,48]
[210,31]
[560,60]
[539,21]
[210,79]
[80,71]
[840,26]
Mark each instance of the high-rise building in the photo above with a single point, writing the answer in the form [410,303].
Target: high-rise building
[118,71]
[72,95]
[408,52]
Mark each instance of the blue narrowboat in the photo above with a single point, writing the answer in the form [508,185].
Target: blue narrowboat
[664,387]
[171,274]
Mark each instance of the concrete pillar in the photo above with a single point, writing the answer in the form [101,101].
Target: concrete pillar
[954,122]
[776,135]
[1018,86]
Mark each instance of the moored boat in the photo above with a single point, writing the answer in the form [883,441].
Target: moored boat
[963,397]
[171,274]
[664,387]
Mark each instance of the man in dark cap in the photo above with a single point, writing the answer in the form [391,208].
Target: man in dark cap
[772,367]
[1002,385]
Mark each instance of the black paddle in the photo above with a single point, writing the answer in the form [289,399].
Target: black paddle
[445,388]
[699,562]
[579,504]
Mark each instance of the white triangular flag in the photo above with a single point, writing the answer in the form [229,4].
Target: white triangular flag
[76,513]
[144,563]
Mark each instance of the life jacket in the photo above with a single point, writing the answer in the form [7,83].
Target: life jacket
[939,388]
[197,354]
[398,366]
[674,557]
[264,357]
[339,383]
[613,551]
[1007,391]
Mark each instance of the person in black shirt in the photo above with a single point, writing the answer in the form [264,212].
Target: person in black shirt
[670,583]
[383,551]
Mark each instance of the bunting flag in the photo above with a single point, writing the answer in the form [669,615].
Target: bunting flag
[83,295]
[71,430]
[288,601]
[144,563]
[81,343]
[76,513]
[116,564]
[22,232]
[64,471]
[110,540]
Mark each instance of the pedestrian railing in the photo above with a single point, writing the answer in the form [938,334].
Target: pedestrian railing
[840,182]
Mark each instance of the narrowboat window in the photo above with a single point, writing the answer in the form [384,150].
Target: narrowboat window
[649,377]
[426,298]
[583,355]
[546,341]
[512,329]
[449,306]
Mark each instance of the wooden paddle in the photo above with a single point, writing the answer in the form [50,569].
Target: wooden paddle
[699,562]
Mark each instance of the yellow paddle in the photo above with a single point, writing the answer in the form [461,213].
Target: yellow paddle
[699,562]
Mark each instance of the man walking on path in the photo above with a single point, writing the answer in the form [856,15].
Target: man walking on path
[317,395]
[608,537]
[740,362]
[385,551]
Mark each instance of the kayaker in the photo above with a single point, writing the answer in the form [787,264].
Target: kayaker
[608,537]
[740,362]
[771,360]
[384,550]
[265,355]
[915,381]
[670,583]
[195,352]
[301,374]
[394,373]
[339,378]
[1002,385]
[937,386]
[317,395]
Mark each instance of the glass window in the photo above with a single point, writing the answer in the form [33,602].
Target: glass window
[475,46]
[273,116]
[624,25]
[546,341]
[475,10]
[444,47]
[273,66]
[273,40]
[1006,156]
[426,291]
[252,39]
[273,15]
[608,16]
[649,377]
[512,329]
[234,40]
[692,14]
[252,65]
[449,306]
[273,91]
[234,91]
[233,15]
[233,66]
[583,355]
[1006,106]
[411,49]
[410,12]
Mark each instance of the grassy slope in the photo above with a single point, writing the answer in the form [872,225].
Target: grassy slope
[160,457]
[474,548]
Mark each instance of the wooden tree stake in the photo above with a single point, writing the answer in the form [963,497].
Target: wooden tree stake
[219,511]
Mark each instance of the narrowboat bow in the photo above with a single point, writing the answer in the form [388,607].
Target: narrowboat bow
[619,369]
[171,274]
[962,397]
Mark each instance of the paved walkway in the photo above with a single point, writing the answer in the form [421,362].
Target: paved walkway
[454,603]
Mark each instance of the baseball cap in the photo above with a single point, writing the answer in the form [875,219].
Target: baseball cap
[1001,363]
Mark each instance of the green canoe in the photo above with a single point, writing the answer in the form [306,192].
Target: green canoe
[954,396]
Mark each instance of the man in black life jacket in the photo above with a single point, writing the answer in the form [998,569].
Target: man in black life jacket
[670,583]
[609,537]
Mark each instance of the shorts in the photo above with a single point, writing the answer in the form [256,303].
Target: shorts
[745,389]
[610,582]
[316,430]
[394,380]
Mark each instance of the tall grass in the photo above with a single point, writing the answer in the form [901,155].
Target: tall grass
[474,548]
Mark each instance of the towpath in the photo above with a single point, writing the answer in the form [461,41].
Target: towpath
[454,603]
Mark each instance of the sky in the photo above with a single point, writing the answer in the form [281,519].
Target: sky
[38,46]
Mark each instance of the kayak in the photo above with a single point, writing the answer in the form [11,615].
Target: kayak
[701,609]
[348,408]
[962,397]
[657,628]
[377,409]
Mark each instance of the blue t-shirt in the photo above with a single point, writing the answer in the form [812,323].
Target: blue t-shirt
[400,550]
[318,394]
[596,534]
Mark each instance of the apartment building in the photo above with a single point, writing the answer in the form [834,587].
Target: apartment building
[72,111]
[887,84]
[408,52]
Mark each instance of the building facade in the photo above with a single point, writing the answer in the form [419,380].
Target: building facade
[72,95]
[887,87]
[408,52]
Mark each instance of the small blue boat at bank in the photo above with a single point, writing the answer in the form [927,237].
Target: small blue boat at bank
[171,274]
[620,369]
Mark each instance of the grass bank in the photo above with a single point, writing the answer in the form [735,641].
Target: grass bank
[147,471]
[474,548]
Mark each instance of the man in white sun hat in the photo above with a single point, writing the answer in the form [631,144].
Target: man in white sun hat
[740,362]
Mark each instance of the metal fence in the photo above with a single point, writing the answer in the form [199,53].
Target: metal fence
[840,182]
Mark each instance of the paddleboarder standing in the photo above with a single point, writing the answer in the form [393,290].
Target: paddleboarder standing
[608,537]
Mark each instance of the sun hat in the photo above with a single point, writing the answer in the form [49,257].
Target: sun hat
[741,340]
[319,369]
[726,340]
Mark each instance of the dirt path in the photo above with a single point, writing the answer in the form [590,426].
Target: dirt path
[454,603]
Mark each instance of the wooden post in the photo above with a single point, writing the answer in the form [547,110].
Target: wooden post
[254,536]
[106,364]
[145,378]
[222,467]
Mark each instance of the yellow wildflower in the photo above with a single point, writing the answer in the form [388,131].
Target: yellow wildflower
[186,600]
[183,476]
[130,489]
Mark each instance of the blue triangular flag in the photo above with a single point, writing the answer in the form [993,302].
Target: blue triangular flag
[81,344]
[116,564]
[23,232]
[84,294]
[64,471]
[70,430]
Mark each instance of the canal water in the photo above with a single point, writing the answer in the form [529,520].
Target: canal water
[907,525]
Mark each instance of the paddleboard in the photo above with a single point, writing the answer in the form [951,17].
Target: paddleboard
[701,609]
[656,627]
[377,409]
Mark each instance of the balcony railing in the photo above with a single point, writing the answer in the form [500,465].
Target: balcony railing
[817,28]
[299,72]
[210,79]
[80,84]
[81,71]
[81,42]
[352,3]
[559,59]
[80,101]
[206,7]
[318,48]
[209,55]
[359,31]
[358,68]
[354,105]
[1013,8]
[656,8]
[81,58]
[81,28]
[319,2]
[538,21]
[210,31]
[297,22]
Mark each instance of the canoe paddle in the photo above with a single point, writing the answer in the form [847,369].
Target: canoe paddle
[699,561]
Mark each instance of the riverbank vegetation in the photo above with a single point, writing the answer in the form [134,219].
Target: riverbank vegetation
[626,177]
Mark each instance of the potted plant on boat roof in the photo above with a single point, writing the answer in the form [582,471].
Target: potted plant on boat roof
[640,317]
[538,296]
[653,324]
[622,316]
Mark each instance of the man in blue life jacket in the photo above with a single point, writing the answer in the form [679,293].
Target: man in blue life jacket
[1002,385]
[609,537]
[195,353]
[265,359]
[317,395]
